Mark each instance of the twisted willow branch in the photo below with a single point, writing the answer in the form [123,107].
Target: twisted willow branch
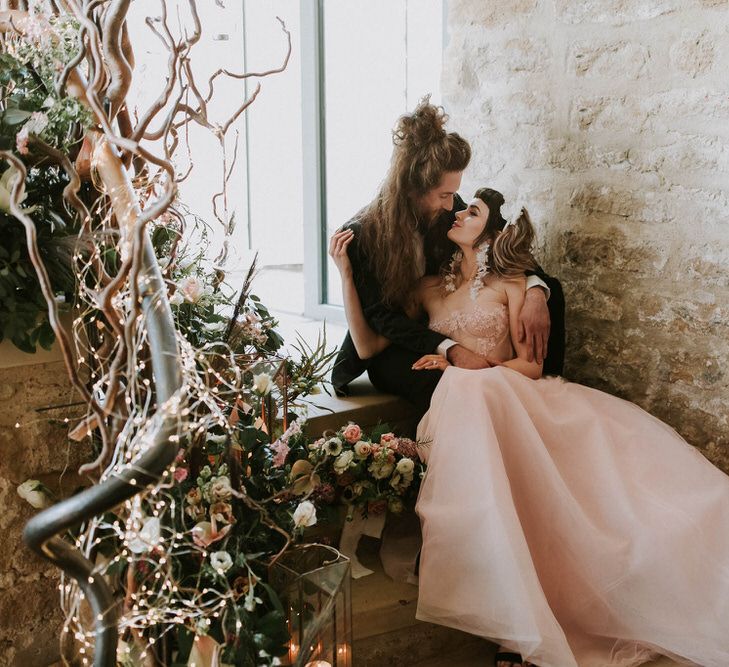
[41,532]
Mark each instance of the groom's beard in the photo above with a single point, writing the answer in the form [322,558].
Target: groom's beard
[426,220]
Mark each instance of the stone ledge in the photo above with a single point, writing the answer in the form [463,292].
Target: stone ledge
[364,406]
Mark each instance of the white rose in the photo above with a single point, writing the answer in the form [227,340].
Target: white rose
[381,470]
[32,491]
[177,299]
[220,489]
[262,384]
[343,461]
[405,466]
[215,327]
[191,289]
[305,514]
[221,561]
[148,537]
[7,182]
[37,122]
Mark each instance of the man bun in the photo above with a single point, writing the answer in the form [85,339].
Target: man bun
[423,127]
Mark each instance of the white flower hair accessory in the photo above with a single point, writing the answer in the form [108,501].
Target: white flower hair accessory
[511,213]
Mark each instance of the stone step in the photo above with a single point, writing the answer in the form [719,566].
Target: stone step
[386,632]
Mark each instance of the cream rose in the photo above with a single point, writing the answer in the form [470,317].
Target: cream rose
[193,496]
[32,492]
[221,561]
[405,466]
[343,461]
[362,449]
[148,537]
[191,289]
[220,489]
[305,514]
[381,470]
[262,384]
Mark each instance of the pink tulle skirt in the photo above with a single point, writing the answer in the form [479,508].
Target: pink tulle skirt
[570,525]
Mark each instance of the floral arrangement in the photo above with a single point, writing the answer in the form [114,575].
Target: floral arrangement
[39,125]
[188,552]
[371,474]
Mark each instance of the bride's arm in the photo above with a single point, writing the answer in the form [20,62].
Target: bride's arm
[515,293]
[366,341]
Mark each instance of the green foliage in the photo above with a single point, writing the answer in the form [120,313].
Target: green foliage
[29,105]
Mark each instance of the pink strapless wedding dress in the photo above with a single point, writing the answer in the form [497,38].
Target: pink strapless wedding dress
[567,524]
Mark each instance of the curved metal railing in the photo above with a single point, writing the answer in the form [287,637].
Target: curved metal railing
[42,531]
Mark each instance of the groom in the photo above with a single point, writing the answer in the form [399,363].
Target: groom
[400,237]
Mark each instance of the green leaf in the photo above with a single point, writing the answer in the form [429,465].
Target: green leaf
[15,116]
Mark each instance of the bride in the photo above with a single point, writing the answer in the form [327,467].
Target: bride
[568,525]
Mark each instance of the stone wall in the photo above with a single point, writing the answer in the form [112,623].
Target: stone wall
[609,120]
[39,398]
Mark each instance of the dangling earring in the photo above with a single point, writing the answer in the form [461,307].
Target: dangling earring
[482,270]
[449,279]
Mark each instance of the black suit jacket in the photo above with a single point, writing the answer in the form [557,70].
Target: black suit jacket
[414,335]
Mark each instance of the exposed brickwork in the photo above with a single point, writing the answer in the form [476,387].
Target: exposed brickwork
[609,120]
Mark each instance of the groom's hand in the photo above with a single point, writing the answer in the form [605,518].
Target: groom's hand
[534,324]
[463,358]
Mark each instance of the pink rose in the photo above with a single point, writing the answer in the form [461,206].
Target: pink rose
[21,141]
[352,433]
[281,449]
[181,474]
[389,440]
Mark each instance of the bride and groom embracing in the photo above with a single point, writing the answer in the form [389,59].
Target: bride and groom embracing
[568,525]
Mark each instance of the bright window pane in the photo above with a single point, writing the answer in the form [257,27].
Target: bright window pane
[380,57]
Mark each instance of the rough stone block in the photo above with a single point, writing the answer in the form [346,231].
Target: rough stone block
[568,154]
[687,105]
[681,154]
[526,108]
[617,12]
[615,60]
[526,54]
[612,251]
[694,54]
[488,14]
[616,114]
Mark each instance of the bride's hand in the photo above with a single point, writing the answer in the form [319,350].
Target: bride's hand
[431,362]
[338,251]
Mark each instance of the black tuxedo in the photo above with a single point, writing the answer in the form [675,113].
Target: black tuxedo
[390,371]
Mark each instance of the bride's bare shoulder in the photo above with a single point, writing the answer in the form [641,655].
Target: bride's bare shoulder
[428,284]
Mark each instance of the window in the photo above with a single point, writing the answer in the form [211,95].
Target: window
[369,62]
[316,143]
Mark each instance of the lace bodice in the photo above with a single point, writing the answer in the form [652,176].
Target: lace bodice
[480,328]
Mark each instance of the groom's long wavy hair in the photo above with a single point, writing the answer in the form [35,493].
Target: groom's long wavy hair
[511,242]
[423,152]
